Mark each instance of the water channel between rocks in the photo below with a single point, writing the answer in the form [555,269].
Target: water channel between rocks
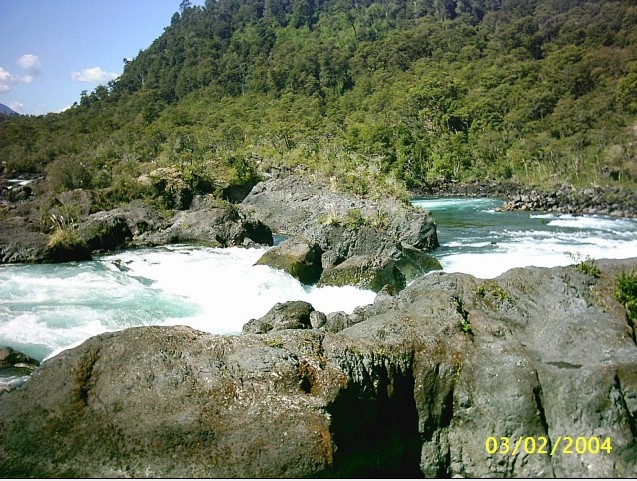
[47,308]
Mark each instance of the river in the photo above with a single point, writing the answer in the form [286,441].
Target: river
[45,309]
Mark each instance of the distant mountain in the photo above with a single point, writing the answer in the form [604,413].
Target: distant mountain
[7,111]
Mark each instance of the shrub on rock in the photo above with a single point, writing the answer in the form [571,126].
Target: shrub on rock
[168,184]
[66,245]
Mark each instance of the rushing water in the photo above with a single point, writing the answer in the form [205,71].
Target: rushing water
[47,308]
[476,238]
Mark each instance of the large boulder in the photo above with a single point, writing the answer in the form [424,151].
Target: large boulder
[286,315]
[342,225]
[21,241]
[120,227]
[221,226]
[298,257]
[415,388]
[141,218]
[105,230]
[366,272]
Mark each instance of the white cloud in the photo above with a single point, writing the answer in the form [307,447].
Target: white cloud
[16,106]
[93,75]
[7,80]
[64,108]
[31,63]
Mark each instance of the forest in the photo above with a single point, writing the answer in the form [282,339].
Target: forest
[380,96]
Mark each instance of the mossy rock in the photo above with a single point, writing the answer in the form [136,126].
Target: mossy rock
[366,272]
[298,257]
[66,245]
[414,263]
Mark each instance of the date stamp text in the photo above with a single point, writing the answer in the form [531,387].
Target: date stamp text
[543,445]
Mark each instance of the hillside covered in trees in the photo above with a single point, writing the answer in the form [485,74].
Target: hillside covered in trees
[377,95]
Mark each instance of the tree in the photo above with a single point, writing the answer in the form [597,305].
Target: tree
[185,4]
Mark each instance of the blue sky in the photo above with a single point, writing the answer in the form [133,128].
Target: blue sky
[51,50]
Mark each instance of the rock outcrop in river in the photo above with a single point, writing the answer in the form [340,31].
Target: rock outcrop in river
[378,237]
[415,386]
[383,241]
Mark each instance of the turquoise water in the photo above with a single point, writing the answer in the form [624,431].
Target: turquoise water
[47,308]
[476,238]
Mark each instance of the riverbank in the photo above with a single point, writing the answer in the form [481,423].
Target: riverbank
[566,199]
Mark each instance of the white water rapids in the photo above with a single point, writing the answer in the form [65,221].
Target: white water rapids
[48,308]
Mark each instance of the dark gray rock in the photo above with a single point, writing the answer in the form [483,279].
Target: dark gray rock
[298,257]
[286,315]
[9,357]
[20,241]
[337,321]
[106,230]
[364,271]
[141,218]
[217,226]
[134,224]
[343,226]
[406,392]
[117,228]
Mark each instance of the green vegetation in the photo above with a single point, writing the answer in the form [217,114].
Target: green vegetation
[494,290]
[586,266]
[375,95]
[464,324]
[626,293]
[353,219]
[273,342]
[66,245]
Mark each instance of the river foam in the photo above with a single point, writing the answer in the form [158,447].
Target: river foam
[45,309]
[49,308]
[478,239]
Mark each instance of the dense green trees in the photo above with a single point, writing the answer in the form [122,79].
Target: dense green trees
[372,93]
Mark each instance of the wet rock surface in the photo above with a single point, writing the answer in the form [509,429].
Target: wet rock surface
[411,385]
[15,368]
[298,257]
